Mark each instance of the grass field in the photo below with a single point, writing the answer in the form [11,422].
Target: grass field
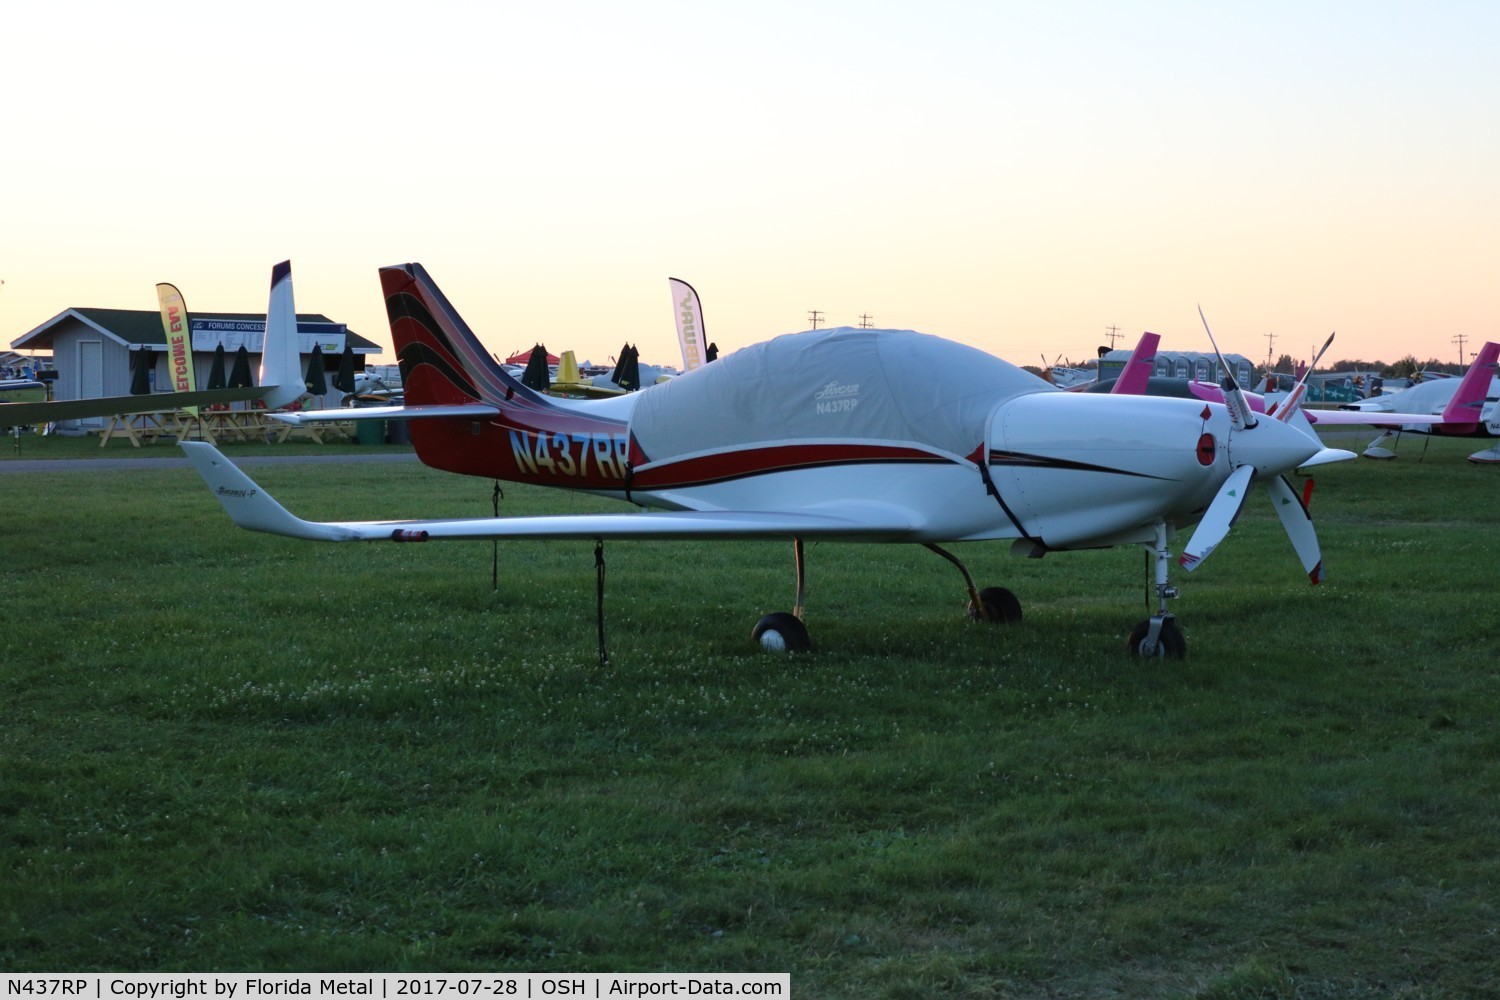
[224,751]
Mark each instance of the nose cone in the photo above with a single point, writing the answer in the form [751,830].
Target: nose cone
[1272,447]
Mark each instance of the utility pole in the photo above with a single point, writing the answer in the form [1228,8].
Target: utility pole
[1459,340]
[1113,333]
[1270,351]
[866,321]
[814,317]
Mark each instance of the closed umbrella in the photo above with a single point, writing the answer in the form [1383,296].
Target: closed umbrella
[216,371]
[343,379]
[317,376]
[618,375]
[239,375]
[143,361]
[536,375]
[628,371]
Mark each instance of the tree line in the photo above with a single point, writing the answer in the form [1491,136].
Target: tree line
[1402,368]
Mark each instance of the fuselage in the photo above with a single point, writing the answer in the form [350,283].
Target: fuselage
[1433,398]
[965,444]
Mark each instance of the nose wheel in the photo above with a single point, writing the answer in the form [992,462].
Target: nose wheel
[1158,637]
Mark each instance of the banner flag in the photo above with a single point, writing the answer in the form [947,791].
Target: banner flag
[174,320]
[689,315]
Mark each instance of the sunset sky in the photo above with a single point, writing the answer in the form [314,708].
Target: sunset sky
[1016,176]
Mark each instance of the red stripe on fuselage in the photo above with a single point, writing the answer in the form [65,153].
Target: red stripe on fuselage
[723,466]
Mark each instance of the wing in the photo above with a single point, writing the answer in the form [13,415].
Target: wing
[1369,418]
[251,507]
[13,414]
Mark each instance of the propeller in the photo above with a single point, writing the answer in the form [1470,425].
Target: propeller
[1266,449]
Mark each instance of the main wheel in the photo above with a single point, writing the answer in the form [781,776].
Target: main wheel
[781,632]
[996,604]
[1169,646]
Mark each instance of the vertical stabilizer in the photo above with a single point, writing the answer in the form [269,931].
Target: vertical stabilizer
[1465,410]
[442,361]
[280,359]
[1137,371]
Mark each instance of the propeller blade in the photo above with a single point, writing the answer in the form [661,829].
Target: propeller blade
[1299,526]
[1219,518]
[1293,400]
[1240,414]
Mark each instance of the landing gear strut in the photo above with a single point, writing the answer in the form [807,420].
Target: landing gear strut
[992,604]
[784,631]
[1158,637]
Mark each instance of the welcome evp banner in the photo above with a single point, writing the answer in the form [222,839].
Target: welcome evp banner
[174,320]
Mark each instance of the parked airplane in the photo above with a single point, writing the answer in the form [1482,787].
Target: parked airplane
[280,375]
[1456,407]
[824,434]
[1465,407]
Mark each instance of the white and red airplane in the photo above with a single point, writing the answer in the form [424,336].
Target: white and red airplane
[825,435]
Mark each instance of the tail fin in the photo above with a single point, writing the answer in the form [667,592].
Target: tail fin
[688,312]
[280,359]
[1136,374]
[1467,405]
[442,361]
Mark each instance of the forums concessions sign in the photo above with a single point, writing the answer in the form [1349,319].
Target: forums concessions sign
[250,334]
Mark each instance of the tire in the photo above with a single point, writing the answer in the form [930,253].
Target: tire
[1171,645]
[781,632]
[996,604]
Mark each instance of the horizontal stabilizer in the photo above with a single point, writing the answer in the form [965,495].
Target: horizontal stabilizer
[424,412]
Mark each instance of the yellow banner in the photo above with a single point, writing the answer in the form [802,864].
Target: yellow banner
[174,319]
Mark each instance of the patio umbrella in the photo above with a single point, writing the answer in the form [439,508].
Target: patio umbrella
[536,375]
[142,361]
[628,369]
[216,372]
[343,380]
[522,357]
[239,375]
[317,376]
[617,376]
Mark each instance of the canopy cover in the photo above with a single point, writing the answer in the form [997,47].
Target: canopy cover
[839,384]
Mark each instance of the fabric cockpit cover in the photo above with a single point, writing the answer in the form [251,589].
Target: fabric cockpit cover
[840,384]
